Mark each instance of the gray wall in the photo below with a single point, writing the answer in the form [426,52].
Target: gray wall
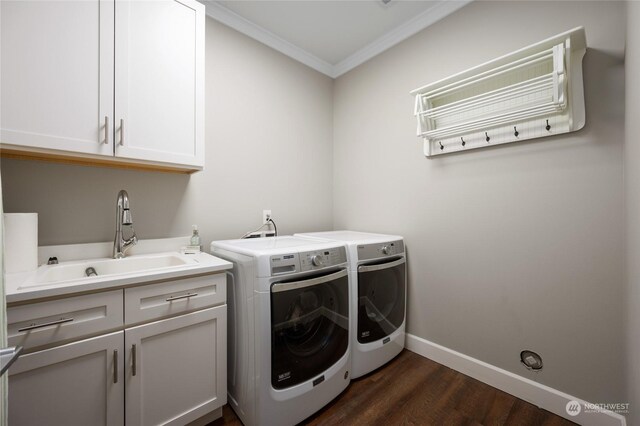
[632,177]
[517,247]
[268,146]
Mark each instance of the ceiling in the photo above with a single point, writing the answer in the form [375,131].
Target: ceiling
[330,36]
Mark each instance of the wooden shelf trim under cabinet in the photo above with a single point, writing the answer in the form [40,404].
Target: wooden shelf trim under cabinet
[112,162]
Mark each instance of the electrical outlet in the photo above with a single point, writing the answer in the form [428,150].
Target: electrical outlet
[266,215]
[261,234]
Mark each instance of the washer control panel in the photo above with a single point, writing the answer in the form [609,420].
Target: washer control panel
[318,259]
[377,250]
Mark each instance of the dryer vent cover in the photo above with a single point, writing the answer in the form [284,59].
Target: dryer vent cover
[531,360]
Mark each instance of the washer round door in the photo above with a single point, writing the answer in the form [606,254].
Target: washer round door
[309,327]
[381,299]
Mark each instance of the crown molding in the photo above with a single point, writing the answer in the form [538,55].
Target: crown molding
[416,24]
[430,16]
[243,25]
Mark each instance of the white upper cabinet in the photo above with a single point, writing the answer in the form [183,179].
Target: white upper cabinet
[159,81]
[104,82]
[57,75]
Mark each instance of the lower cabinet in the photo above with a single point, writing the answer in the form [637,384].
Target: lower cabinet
[170,371]
[176,368]
[77,384]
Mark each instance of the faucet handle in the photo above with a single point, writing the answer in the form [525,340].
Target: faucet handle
[129,242]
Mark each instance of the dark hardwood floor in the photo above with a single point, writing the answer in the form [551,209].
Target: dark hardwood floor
[412,390]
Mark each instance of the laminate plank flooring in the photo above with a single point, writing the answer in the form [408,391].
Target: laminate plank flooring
[413,390]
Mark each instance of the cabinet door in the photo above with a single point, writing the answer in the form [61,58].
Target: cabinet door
[160,81]
[78,384]
[56,84]
[176,368]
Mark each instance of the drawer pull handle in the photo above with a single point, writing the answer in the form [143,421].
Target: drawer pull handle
[184,296]
[46,324]
[115,366]
[134,367]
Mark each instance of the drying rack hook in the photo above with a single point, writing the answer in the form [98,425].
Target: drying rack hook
[487,137]
[548,127]
[463,142]
[515,131]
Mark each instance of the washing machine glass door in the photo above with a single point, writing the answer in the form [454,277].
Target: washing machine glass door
[381,299]
[309,327]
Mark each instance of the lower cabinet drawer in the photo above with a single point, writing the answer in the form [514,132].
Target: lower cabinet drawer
[53,321]
[156,301]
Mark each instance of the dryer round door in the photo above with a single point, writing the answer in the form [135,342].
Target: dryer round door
[309,327]
[381,299]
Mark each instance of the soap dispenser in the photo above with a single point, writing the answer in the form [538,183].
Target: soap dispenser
[195,236]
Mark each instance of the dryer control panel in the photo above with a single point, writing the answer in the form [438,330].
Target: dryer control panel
[377,250]
[318,259]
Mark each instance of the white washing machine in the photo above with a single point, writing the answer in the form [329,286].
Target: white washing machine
[377,269]
[288,319]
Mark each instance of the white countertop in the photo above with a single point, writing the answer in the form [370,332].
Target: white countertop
[25,286]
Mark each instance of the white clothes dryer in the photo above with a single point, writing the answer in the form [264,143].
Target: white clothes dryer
[288,327]
[377,269]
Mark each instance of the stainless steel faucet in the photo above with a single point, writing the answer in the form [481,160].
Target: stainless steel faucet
[123,218]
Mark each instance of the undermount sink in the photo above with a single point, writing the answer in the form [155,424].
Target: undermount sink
[71,271]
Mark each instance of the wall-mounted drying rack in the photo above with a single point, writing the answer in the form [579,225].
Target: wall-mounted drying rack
[533,92]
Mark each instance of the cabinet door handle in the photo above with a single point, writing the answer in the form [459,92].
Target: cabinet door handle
[184,296]
[106,130]
[44,324]
[115,366]
[133,360]
[122,132]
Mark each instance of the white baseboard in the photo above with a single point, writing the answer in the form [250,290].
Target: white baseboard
[540,395]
